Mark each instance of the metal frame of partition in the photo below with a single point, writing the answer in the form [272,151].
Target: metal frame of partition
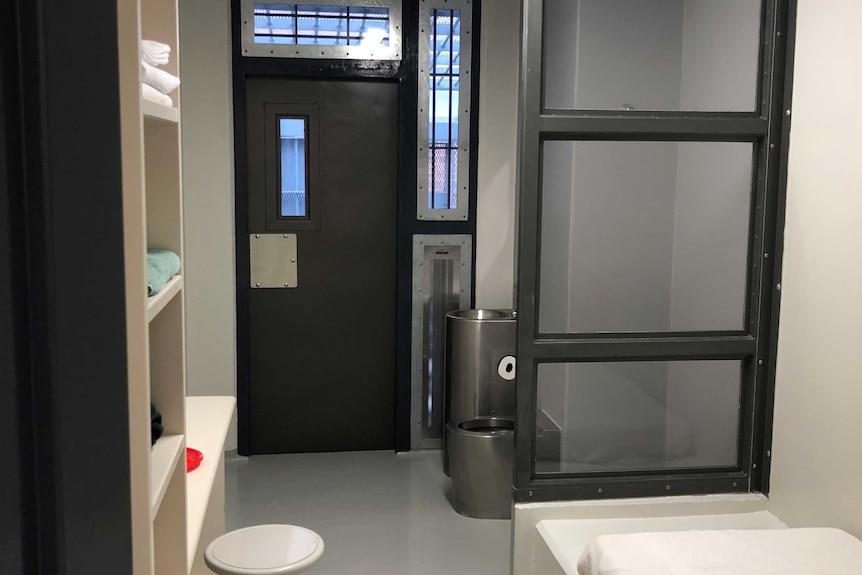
[768,129]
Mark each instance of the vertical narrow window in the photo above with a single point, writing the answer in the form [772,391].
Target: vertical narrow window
[444,111]
[294,202]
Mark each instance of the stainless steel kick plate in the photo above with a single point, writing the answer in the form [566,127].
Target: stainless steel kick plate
[273,260]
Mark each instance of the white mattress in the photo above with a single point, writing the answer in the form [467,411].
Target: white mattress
[731,552]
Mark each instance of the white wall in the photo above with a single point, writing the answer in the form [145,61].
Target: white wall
[208,177]
[817,444]
[498,134]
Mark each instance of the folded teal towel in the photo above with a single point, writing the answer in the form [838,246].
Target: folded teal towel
[162,265]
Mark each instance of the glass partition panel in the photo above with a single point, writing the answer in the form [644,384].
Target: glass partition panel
[637,416]
[644,236]
[670,55]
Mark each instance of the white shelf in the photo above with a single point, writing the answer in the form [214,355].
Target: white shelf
[163,460]
[157,303]
[159,111]
[207,423]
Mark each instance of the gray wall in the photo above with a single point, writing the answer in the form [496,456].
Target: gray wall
[498,134]
[719,72]
[207,132]
[608,208]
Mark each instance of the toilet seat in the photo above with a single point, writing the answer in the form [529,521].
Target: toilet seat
[264,550]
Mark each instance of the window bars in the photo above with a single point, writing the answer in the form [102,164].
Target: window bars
[444,109]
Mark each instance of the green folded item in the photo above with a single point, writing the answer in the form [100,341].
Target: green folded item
[162,265]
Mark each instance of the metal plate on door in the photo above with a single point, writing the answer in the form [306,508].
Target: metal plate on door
[273,260]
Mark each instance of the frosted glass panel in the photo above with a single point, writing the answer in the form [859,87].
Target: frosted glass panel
[644,236]
[634,416]
[697,55]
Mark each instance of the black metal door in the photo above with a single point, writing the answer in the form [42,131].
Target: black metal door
[322,164]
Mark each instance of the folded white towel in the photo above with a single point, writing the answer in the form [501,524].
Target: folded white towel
[159,79]
[155,53]
[154,95]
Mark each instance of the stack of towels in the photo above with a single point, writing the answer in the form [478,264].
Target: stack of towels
[157,83]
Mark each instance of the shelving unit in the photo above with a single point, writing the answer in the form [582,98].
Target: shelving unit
[157,303]
[174,514]
[161,112]
[207,423]
[164,458]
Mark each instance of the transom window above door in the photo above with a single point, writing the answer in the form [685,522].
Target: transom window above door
[329,29]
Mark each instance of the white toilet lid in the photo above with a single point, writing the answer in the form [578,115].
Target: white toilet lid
[265,550]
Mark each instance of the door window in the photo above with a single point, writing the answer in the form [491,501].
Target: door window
[292,149]
[293,169]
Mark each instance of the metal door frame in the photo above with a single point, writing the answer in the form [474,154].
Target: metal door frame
[405,73]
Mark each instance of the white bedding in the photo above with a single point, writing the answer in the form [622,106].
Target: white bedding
[732,552]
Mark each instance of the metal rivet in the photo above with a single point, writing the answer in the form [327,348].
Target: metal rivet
[787,112]
[772,146]
[600,491]
[286,285]
[257,235]
[667,487]
[779,33]
[778,287]
[765,255]
[759,362]
[530,493]
[257,284]
[734,484]
[285,235]
[769,453]
[755,466]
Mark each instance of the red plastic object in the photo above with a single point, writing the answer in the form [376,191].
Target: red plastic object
[193,459]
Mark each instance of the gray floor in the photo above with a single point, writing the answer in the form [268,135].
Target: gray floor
[378,513]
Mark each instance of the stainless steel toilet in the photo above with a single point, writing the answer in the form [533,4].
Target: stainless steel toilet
[481,453]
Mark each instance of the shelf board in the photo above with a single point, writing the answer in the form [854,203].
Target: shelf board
[163,460]
[207,423]
[159,111]
[157,303]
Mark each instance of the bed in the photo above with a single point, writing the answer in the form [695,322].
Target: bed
[724,552]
